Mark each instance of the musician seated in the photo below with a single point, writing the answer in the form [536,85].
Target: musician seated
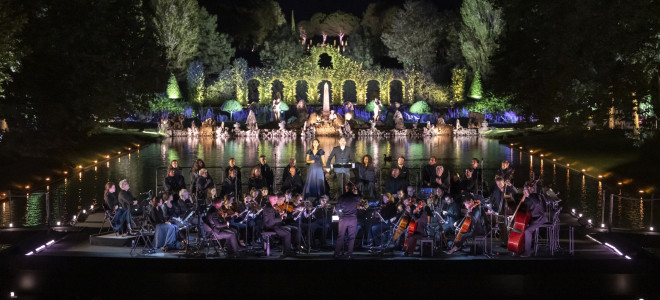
[421,216]
[366,174]
[230,210]
[165,236]
[218,226]
[273,222]
[174,208]
[536,209]
[184,197]
[403,209]
[475,227]
[505,171]
[387,213]
[314,219]
[451,213]
[395,183]
[293,182]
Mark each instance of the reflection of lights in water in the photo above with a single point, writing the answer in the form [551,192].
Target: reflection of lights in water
[641,213]
[541,170]
[107,164]
[531,166]
[96,168]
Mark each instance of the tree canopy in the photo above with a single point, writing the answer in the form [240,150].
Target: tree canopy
[412,37]
[11,49]
[480,33]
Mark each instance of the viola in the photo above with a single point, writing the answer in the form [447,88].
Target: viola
[467,221]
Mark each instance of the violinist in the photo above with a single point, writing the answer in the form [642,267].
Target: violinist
[218,226]
[536,209]
[421,216]
[273,222]
[252,216]
[476,223]
[386,215]
[235,213]
[314,218]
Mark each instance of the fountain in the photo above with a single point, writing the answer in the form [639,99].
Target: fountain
[252,128]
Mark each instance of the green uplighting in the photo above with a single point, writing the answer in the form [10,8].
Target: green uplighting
[420,107]
[173,91]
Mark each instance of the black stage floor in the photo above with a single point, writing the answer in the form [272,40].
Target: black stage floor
[72,268]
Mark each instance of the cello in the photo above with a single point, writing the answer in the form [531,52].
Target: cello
[412,227]
[521,218]
[467,221]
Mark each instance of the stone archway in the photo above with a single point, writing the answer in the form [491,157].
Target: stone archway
[396,91]
[253,90]
[277,86]
[349,91]
[373,90]
[302,90]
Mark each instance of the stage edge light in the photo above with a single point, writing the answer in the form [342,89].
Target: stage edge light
[614,248]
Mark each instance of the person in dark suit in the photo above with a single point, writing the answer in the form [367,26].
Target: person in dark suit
[286,173]
[403,170]
[536,209]
[257,179]
[396,183]
[293,182]
[440,179]
[218,226]
[347,210]
[173,183]
[478,175]
[272,219]
[342,155]
[428,172]
[266,172]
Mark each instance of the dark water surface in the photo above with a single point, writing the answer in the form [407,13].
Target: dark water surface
[82,190]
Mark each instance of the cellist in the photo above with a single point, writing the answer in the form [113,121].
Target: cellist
[536,209]
[476,223]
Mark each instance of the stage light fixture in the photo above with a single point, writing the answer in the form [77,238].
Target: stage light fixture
[59,223]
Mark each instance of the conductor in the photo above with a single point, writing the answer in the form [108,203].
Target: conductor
[347,210]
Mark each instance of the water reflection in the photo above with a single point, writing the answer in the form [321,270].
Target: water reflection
[140,169]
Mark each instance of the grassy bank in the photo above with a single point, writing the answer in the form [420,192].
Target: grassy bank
[603,152]
[20,172]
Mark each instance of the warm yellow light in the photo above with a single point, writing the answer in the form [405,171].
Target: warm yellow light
[619,183]
[583,170]
[79,166]
[511,144]
[27,187]
[520,148]
[641,191]
[600,176]
[138,145]
[107,156]
[66,172]
[554,159]
[96,161]
[119,152]
[531,151]
[47,178]
[542,155]
[129,148]
[568,165]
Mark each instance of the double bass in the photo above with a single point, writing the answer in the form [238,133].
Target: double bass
[467,221]
[521,218]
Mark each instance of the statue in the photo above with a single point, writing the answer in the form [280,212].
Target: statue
[251,122]
[333,115]
[458,125]
[398,121]
[276,106]
[377,104]
[441,122]
[282,125]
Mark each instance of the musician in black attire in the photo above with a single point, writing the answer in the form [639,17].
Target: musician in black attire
[127,201]
[314,218]
[231,184]
[498,205]
[257,180]
[273,222]
[387,212]
[342,155]
[219,227]
[175,165]
[403,170]
[396,183]
[451,213]
[347,210]
[421,216]
[536,209]
[232,165]
[428,172]
[286,173]
[293,183]
[174,208]
[440,180]
[173,183]
[266,172]
[506,171]
[469,184]
[203,184]
[366,174]
[165,233]
[476,224]
[477,173]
